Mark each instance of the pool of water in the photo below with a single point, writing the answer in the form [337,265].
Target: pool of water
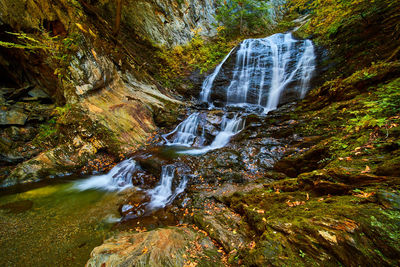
[54,225]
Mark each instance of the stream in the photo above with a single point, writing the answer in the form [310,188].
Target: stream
[59,224]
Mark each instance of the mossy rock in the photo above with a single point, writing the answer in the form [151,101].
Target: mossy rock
[390,167]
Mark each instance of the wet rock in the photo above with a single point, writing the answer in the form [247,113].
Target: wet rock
[151,164]
[303,162]
[390,167]
[135,205]
[294,227]
[38,93]
[193,86]
[58,161]
[389,199]
[228,159]
[173,246]
[221,224]
[143,179]
[13,116]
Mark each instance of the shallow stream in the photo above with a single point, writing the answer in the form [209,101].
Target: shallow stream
[54,225]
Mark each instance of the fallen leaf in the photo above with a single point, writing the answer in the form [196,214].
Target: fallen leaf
[367,169]
[365,194]
[252,244]
[81,27]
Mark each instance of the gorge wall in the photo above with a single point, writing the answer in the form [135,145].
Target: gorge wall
[71,59]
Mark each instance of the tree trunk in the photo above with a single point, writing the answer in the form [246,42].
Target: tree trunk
[118,17]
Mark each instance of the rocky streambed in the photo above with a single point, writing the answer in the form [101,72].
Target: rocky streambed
[273,196]
[248,178]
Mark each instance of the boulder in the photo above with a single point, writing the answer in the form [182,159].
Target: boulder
[173,246]
[13,116]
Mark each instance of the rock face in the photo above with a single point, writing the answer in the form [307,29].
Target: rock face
[165,22]
[161,247]
[112,103]
[13,117]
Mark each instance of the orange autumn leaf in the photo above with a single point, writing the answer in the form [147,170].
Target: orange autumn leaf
[367,169]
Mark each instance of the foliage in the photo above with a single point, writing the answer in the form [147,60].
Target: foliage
[48,132]
[243,16]
[378,107]
[58,49]
[198,54]
[328,16]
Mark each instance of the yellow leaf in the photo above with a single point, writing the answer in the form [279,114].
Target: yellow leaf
[81,27]
[367,169]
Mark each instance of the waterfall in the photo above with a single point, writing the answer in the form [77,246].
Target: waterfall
[162,195]
[186,132]
[117,179]
[308,69]
[229,127]
[264,69]
[208,82]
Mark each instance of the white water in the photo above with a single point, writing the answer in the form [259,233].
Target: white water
[186,132]
[229,127]
[117,179]
[264,69]
[162,195]
[208,82]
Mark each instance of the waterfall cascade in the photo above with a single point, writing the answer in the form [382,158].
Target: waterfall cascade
[119,178]
[264,69]
[186,132]
[163,194]
[229,127]
[208,82]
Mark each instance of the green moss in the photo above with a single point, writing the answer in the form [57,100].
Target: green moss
[197,54]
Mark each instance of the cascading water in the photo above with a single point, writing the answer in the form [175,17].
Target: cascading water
[229,127]
[186,132]
[208,82]
[264,69]
[162,195]
[118,178]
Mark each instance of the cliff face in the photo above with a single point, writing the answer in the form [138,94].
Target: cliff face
[72,58]
[164,22]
